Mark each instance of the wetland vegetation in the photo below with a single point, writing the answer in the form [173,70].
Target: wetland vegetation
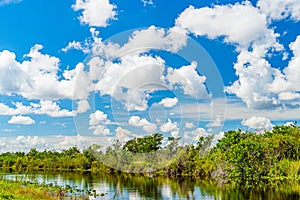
[245,161]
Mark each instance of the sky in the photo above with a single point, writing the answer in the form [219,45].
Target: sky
[78,72]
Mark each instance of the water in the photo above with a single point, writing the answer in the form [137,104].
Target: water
[126,186]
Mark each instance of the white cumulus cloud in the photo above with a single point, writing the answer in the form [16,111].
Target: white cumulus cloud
[36,77]
[258,123]
[260,85]
[280,9]
[83,106]
[188,79]
[99,117]
[50,108]
[240,23]
[169,102]
[169,126]
[24,120]
[100,130]
[95,12]
[98,121]
[140,41]
[144,123]
[138,75]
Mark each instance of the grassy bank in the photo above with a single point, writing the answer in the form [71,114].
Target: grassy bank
[24,190]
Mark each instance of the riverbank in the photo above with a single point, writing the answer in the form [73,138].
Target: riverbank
[21,190]
[24,191]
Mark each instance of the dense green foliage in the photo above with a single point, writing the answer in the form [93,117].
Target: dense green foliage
[252,160]
[71,159]
[242,159]
[145,144]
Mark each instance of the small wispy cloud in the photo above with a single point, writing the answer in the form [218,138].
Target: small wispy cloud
[6,2]
[147,2]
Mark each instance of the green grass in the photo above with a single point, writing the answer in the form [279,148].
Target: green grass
[31,191]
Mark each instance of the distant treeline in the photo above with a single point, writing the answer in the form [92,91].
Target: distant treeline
[243,159]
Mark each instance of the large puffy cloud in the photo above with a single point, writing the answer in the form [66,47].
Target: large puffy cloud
[11,73]
[144,123]
[280,9]
[95,12]
[131,79]
[292,71]
[287,83]
[189,80]
[240,24]
[37,76]
[23,120]
[132,72]
[140,41]
[255,74]
[135,76]
[144,40]
[262,86]
[258,123]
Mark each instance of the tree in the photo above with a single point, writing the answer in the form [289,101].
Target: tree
[145,144]
[204,143]
[173,143]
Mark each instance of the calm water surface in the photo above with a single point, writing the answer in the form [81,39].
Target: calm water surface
[124,186]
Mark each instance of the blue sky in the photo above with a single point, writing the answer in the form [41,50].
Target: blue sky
[79,72]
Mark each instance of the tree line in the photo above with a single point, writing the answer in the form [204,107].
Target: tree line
[244,159]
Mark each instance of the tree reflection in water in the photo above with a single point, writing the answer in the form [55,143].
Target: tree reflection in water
[124,186]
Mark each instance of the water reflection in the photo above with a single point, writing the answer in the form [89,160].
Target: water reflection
[127,186]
